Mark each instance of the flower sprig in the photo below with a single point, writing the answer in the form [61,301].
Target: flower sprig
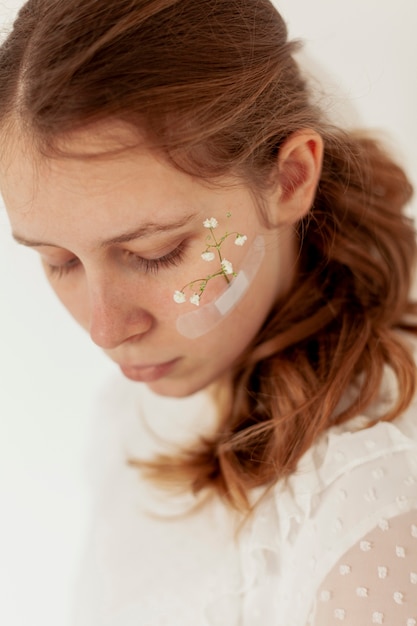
[212,250]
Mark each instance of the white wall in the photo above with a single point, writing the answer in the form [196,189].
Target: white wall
[366,51]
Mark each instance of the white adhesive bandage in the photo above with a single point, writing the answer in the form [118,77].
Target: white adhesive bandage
[197,323]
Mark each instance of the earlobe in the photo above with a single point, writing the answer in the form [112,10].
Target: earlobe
[298,172]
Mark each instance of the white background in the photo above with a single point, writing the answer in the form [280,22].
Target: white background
[365,54]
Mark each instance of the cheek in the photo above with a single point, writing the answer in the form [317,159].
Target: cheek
[221,347]
[206,278]
[215,309]
[150,294]
[228,339]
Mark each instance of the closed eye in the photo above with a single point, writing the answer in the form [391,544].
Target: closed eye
[149,266]
[57,271]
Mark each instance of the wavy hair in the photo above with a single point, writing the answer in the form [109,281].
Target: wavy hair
[214,84]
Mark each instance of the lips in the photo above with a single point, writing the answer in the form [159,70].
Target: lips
[148,373]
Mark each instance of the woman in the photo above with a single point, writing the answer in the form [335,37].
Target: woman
[251,264]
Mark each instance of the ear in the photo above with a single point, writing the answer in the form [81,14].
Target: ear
[297,176]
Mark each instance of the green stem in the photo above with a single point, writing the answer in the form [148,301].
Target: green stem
[218,245]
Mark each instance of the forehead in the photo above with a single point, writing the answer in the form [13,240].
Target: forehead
[92,161]
[97,149]
[101,181]
[97,185]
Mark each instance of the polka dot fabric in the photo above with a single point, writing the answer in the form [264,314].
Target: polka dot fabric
[333,544]
[375,582]
[337,532]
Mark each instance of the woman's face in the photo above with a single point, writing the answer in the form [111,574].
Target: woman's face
[118,235]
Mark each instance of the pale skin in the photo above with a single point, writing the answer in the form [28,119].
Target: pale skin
[118,235]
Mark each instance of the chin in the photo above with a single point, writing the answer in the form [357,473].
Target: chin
[174,389]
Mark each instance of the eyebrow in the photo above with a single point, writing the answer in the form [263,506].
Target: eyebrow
[145,230]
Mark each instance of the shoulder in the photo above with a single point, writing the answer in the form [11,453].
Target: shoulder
[362,468]
[375,580]
[353,481]
[365,526]
[355,476]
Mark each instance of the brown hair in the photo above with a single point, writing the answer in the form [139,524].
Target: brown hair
[214,84]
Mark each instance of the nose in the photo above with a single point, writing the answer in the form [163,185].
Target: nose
[116,317]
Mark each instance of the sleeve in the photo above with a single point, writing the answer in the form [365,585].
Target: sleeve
[375,581]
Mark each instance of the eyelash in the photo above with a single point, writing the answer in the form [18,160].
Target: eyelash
[57,271]
[152,266]
[148,266]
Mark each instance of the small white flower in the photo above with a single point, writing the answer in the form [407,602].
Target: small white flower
[340,614]
[398,597]
[195,299]
[179,297]
[377,617]
[210,223]
[227,267]
[362,592]
[378,473]
[370,495]
[383,524]
[400,552]
[240,240]
[208,256]
[402,501]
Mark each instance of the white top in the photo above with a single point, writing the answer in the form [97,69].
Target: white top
[336,543]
